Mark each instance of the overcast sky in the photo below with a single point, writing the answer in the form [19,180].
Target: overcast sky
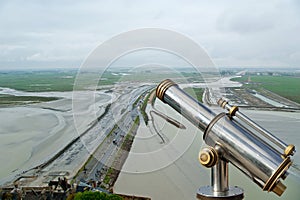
[61,33]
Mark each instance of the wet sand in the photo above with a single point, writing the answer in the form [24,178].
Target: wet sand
[30,135]
[34,126]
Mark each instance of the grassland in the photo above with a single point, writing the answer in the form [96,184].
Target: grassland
[10,100]
[46,81]
[286,86]
[197,93]
[63,80]
[38,81]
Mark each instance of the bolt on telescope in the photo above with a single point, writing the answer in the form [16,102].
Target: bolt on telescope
[230,141]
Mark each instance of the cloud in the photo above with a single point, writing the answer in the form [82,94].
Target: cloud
[243,23]
[233,32]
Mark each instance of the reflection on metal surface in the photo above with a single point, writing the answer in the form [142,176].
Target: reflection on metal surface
[233,111]
[256,156]
[206,193]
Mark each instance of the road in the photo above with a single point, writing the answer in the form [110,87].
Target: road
[119,117]
[105,155]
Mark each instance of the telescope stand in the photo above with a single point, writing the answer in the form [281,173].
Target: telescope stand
[262,157]
[219,188]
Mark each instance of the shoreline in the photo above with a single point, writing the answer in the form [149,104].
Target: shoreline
[45,165]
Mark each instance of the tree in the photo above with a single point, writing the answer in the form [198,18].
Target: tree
[90,195]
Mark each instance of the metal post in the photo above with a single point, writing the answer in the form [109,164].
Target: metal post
[219,176]
[219,188]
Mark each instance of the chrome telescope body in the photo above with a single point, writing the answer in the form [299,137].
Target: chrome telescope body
[232,142]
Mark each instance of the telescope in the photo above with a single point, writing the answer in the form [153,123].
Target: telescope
[231,137]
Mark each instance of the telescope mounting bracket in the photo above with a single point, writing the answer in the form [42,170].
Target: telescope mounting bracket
[219,189]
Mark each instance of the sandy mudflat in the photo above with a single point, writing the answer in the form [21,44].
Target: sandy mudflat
[29,135]
[180,178]
[20,130]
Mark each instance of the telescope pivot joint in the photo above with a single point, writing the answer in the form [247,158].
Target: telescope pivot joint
[208,157]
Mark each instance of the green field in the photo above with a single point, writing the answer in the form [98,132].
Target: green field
[46,81]
[38,81]
[9,100]
[197,93]
[64,80]
[286,86]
